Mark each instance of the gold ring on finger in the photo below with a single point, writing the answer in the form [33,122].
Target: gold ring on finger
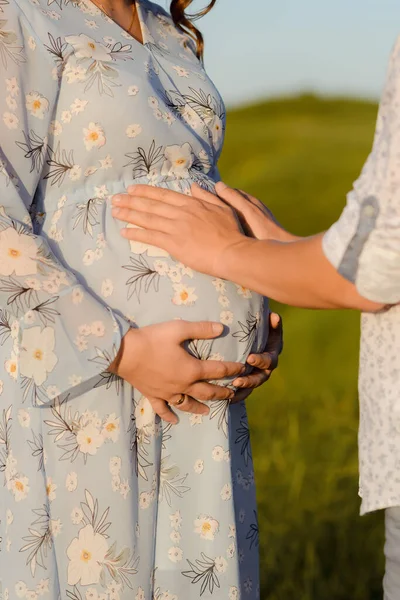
[181,400]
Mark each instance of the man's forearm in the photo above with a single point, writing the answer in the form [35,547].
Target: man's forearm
[295,273]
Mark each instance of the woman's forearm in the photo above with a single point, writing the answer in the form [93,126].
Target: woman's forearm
[295,273]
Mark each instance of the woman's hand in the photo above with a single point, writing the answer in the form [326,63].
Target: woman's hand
[153,360]
[264,364]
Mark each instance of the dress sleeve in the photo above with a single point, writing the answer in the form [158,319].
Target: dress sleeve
[364,245]
[63,337]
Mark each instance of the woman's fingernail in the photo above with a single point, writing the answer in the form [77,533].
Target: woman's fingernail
[239,382]
[217,328]
[251,360]
[115,212]
[116,199]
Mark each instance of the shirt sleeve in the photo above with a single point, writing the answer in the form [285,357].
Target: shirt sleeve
[63,338]
[364,245]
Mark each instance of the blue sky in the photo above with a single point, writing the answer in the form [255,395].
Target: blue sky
[261,48]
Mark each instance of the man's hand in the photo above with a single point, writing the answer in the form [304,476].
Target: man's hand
[195,231]
[264,363]
[256,219]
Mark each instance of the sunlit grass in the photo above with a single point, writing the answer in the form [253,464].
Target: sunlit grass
[301,156]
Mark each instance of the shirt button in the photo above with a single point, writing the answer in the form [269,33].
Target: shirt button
[369,211]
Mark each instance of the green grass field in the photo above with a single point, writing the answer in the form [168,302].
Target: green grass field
[301,156]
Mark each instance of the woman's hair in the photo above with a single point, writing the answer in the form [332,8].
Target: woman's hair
[184,22]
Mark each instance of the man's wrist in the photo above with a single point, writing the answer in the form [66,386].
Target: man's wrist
[230,263]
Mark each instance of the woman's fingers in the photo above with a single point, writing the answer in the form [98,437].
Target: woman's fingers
[206,392]
[161,408]
[215,369]
[190,405]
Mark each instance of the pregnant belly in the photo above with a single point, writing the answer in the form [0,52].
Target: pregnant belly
[146,285]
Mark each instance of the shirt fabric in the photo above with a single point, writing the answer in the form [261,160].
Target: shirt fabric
[364,245]
[99,500]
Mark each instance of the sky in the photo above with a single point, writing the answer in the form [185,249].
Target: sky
[261,48]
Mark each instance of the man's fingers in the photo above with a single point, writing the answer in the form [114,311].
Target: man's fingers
[275,338]
[206,392]
[144,219]
[153,238]
[252,381]
[137,203]
[261,361]
[201,194]
[156,193]
[241,395]
[232,197]
[160,407]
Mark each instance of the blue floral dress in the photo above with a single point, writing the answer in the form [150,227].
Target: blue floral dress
[99,499]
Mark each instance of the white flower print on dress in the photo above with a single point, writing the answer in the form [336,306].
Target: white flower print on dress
[19,486]
[226,492]
[11,103]
[184,295]
[199,466]
[37,358]
[37,104]
[181,71]
[178,160]
[74,73]
[93,136]
[176,520]
[71,482]
[133,130]
[206,527]
[12,86]
[86,47]
[111,428]
[51,489]
[11,366]
[133,90]
[24,418]
[115,465]
[86,553]
[218,453]
[89,440]
[78,106]
[175,554]
[18,253]
[20,589]
[42,587]
[107,288]
[139,248]
[144,414]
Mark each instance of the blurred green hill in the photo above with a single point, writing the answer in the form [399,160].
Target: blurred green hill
[300,156]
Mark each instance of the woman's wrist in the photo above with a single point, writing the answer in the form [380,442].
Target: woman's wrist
[131,339]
